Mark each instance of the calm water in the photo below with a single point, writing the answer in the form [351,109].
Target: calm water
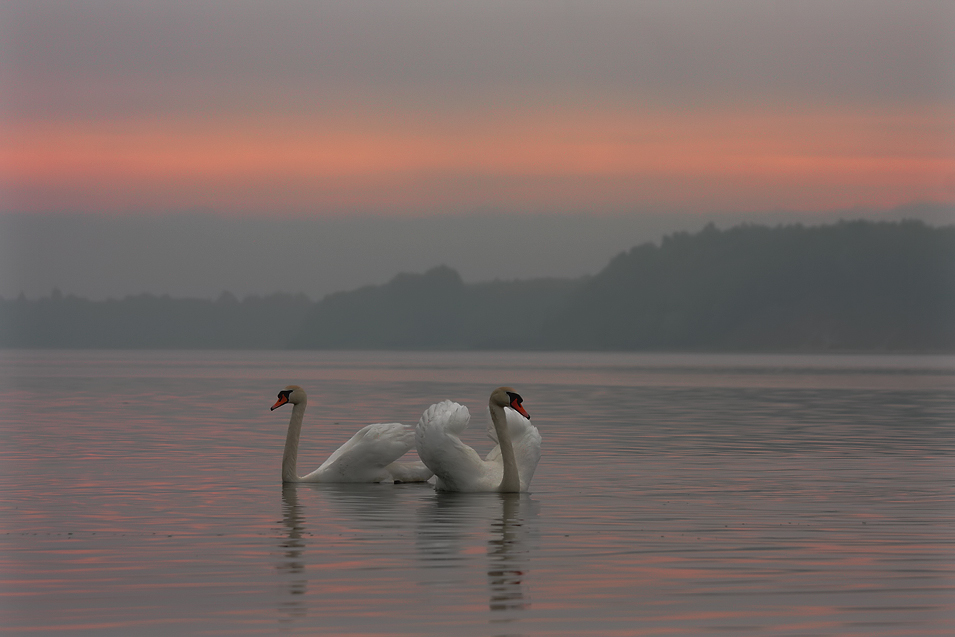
[676,495]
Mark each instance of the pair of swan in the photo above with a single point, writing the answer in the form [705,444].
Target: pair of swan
[372,454]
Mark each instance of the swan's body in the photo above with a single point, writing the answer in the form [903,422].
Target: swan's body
[369,456]
[508,468]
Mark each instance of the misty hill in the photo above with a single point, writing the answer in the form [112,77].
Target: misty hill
[849,286]
[853,286]
[152,322]
[856,286]
[435,310]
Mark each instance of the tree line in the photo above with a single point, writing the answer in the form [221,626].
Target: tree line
[152,322]
[849,286]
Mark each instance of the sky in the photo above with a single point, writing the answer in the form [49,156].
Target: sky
[559,117]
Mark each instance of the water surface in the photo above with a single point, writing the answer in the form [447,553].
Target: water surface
[676,495]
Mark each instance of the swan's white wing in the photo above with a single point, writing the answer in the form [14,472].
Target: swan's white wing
[517,425]
[527,449]
[526,440]
[456,466]
[364,457]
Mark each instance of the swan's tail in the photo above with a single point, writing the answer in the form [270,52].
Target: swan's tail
[441,449]
[446,415]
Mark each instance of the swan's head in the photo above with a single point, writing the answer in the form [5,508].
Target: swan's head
[291,394]
[507,397]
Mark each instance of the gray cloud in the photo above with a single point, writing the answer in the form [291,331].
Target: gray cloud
[110,58]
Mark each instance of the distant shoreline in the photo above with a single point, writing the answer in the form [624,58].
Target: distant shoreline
[852,287]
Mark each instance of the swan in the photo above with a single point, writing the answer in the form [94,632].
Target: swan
[508,468]
[369,456]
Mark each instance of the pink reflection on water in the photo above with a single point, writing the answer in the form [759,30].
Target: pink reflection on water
[666,509]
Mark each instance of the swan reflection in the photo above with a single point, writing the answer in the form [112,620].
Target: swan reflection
[450,532]
[377,508]
[507,556]
[356,530]
[292,556]
[467,547]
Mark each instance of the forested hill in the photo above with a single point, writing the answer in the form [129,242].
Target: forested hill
[437,310]
[851,286]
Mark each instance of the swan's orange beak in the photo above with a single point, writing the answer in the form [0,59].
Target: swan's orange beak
[283,398]
[516,406]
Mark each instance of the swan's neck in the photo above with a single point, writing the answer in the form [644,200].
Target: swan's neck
[511,482]
[290,457]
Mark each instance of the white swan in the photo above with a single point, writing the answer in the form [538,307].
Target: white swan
[508,468]
[369,456]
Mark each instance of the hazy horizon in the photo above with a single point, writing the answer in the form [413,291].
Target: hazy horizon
[202,255]
[336,144]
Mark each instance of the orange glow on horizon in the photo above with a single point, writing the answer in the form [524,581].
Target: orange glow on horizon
[560,160]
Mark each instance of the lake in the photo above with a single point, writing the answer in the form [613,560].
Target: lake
[676,495]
